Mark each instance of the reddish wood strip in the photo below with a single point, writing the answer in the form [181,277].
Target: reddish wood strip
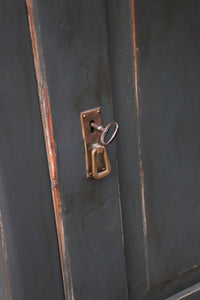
[4,261]
[50,143]
[140,149]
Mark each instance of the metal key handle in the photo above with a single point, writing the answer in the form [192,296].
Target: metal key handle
[105,131]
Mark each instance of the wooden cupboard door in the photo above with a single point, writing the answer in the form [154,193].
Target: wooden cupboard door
[154,51]
[140,60]
[69,41]
[61,235]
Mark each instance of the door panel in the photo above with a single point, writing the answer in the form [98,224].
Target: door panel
[70,52]
[169,81]
[165,110]
[29,256]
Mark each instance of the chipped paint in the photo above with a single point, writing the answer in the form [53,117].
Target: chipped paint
[186,293]
[4,261]
[144,218]
[177,275]
[50,144]
[185,271]
[120,202]
[120,211]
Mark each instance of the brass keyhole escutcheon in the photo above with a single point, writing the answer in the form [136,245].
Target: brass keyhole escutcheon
[96,156]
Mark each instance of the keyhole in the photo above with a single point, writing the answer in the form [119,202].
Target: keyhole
[92,128]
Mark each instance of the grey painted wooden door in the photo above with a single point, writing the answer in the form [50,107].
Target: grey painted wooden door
[134,234]
[54,64]
[155,82]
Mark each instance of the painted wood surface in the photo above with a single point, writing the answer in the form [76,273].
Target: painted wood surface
[56,58]
[29,256]
[70,52]
[159,179]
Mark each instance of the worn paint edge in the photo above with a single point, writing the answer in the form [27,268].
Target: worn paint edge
[45,109]
[120,203]
[4,261]
[141,168]
[176,276]
[185,293]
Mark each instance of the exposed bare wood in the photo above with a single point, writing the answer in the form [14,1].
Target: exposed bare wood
[120,202]
[185,293]
[4,261]
[50,143]
[140,150]
[179,274]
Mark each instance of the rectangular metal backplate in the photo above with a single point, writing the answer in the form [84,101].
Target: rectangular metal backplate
[90,136]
